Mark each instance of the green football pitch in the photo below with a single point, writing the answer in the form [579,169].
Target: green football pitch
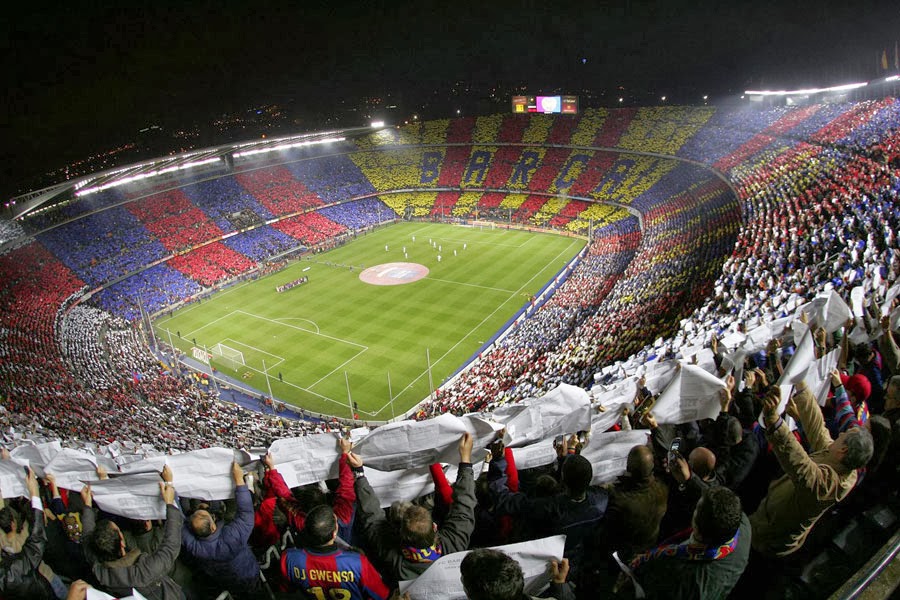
[337,341]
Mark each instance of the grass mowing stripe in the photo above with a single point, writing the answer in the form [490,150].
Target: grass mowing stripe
[464,300]
[279,322]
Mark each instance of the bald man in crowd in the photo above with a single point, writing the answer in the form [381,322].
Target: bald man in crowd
[221,549]
[637,503]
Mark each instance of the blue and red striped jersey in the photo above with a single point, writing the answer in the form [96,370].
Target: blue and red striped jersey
[333,574]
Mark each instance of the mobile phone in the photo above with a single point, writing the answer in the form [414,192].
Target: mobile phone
[674,450]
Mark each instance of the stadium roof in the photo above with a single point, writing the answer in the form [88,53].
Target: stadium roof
[217,156]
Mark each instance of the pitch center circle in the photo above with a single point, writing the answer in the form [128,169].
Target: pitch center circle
[395,273]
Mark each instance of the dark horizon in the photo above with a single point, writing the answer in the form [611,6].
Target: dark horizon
[88,78]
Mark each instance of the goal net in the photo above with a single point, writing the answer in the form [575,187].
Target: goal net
[234,357]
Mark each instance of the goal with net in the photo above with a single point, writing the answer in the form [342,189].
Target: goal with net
[226,353]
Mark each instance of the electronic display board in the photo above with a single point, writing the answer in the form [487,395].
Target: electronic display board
[566,105]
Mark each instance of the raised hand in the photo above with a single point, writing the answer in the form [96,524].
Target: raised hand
[466,442]
[31,484]
[559,571]
[87,498]
[269,461]
[836,378]
[237,473]
[770,407]
[354,460]
[167,490]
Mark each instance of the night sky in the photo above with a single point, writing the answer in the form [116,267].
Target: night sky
[84,76]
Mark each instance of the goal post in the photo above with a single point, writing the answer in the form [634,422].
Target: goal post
[234,357]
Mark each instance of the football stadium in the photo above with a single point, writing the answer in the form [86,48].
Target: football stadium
[669,316]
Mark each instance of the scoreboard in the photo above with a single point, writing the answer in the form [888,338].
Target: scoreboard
[566,105]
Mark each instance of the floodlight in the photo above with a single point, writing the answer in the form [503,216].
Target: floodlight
[836,88]
[288,145]
[377,124]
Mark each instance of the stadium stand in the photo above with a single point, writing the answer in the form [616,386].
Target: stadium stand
[175,221]
[278,191]
[212,264]
[700,263]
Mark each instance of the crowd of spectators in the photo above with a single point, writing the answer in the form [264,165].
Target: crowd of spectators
[815,220]
[174,220]
[102,386]
[638,292]
[774,136]
[700,509]
[410,204]
[598,345]
[611,127]
[10,231]
[222,199]
[71,209]
[565,217]
[310,228]
[663,129]
[454,165]
[727,130]
[608,176]
[212,264]
[332,178]
[444,203]
[278,190]
[261,243]
[642,182]
[646,184]
[359,214]
[153,289]
[103,246]
[869,123]
[818,190]
[519,359]
[81,331]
